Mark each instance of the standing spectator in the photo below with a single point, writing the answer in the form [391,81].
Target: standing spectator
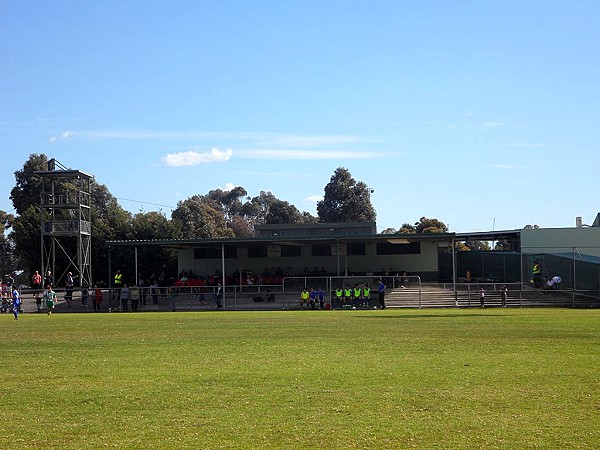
[537,274]
[381,294]
[84,295]
[154,292]
[321,297]
[117,284]
[312,298]
[124,297]
[69,283]
[142,284]
[16,302]
[135,298]
[98,297]
[38,301]
[172,290]
[50,299]
[10,281]
[36,283]
[503,295]
[48,280]
[481,297]
[219,296]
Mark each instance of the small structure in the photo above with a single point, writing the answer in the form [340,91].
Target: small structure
[65,220]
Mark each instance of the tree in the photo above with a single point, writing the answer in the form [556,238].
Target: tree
[346,200]
[7,255]
[197,218]
[477,245]
[154,226]
[281,212]
[28,185]
[407,228]
[426,225]
[25,236]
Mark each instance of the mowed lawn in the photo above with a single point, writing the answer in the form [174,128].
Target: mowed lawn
[449,378]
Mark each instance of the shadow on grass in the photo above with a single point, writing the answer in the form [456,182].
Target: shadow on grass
[430,316]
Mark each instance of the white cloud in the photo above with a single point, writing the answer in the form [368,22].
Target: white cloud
[313,198]
[191,158]
[61,137]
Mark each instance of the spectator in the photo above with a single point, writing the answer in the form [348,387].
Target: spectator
[338,296]
[304,296]
[48,280]
[154,292]
[366,294]
[5,303]
[537,274]
[554,282]
[357,295]
[135,298]
[172,297]
[84,295]
[404,280]
[381,290]
[321,298]
[481,297]
[36,283]
[69,284]
[124,297]
[312,298]
[98,297]
[118,284]
[503,295]
[219,295]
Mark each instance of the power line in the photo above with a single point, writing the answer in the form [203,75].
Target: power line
[146,203]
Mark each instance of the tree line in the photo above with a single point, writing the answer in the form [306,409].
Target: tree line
[216,214]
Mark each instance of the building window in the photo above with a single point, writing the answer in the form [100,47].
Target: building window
[214,253]
[321,250]
[257,251]
[412,248]
[359,249]
[290,251]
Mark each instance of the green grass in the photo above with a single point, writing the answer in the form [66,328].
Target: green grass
[493,378]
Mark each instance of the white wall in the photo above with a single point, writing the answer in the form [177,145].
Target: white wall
[426,261]
[586,240]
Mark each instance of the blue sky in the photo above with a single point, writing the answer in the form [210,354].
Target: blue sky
[483,114]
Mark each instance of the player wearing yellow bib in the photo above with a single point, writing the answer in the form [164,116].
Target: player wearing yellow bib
[304,295]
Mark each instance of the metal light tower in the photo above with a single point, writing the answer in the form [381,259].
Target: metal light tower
[66,223]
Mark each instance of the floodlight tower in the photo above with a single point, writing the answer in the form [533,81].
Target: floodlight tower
[66,223]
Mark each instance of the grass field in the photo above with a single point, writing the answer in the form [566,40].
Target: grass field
[492,378]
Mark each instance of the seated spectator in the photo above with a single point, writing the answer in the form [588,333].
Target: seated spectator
[554,282]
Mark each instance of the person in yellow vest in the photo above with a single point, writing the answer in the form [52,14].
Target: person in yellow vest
[537,274]
[357,295]
[347,295]
[366,295]
[117,284]
[304,295]
[339,297]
